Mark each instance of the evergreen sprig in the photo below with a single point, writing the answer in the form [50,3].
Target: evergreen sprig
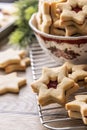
[23,34]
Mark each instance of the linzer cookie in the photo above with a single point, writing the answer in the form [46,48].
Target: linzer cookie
[54,86]
[73,11]
[77,72]
[56,29]
[43,17]
[10,56]
[11,83]
[78,108]
[73,17]
[77,29]
[63,17]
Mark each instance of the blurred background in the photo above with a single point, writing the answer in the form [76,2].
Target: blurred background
[7,1]
[14,19]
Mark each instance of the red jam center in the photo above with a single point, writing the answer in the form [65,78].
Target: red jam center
[52,84]
[77,9]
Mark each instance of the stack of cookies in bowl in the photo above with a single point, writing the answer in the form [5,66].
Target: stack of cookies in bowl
[64,17]
[60,28]
[70,18]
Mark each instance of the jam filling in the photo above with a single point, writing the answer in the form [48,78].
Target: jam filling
[58,11]
[76,9]
[52,84]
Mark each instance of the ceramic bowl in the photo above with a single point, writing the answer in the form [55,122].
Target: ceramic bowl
[72,49]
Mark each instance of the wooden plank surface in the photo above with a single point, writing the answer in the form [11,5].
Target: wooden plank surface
[20,122]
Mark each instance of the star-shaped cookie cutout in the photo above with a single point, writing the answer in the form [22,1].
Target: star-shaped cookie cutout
[78,108]
[10,56]
[73,10]
[11,83]
[43,17]
[68,28]
[54,86]
[18,67]
[76,29]
[56,28]
[77,72]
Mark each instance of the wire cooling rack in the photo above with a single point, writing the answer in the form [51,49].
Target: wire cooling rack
[52,116]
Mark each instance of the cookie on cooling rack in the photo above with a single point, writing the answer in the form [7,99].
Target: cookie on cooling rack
[77,72]
[54,86]
[78,108]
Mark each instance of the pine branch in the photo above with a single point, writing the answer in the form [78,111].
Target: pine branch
[23,33]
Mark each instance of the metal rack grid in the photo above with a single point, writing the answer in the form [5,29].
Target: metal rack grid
[52,116]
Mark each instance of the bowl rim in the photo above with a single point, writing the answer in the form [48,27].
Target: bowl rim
[49,35]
